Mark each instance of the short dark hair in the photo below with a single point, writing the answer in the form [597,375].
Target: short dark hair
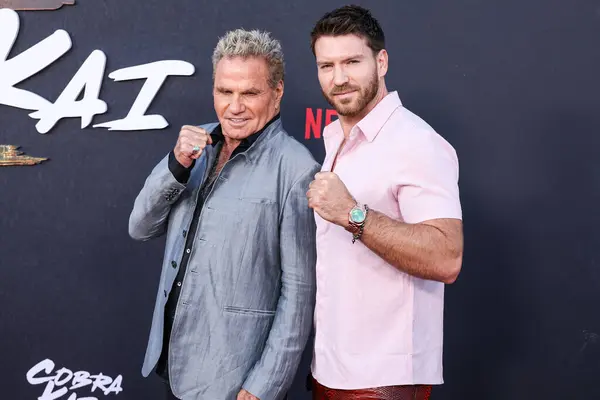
[348,20]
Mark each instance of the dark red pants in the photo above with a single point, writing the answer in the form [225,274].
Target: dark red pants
[412,392]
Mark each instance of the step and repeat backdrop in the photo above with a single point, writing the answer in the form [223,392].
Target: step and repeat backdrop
[513,85]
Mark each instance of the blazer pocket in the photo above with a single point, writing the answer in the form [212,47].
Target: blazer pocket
[248,311]
[257,200]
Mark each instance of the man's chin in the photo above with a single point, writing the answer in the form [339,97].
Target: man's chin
[343,109]
[236,132]
[346,111]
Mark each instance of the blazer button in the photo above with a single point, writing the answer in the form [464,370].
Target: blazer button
[184,233]
[173,264]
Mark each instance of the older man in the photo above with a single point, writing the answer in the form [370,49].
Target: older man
[389,225]
[236,296]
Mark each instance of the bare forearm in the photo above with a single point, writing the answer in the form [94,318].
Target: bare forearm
[421,250]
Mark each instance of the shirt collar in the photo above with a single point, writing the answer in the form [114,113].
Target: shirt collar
[372,123]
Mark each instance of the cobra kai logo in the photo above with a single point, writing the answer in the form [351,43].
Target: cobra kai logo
[85,84]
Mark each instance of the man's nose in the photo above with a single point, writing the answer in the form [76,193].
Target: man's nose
[339,76]
[237,105]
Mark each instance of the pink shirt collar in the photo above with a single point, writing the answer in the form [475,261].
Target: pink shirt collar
[372,123]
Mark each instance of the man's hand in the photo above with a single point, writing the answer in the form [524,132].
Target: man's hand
[330,198]
[190,144]
[246,395]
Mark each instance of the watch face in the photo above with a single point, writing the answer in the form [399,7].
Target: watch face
[357,215]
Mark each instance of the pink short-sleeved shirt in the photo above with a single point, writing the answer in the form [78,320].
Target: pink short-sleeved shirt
[375,325]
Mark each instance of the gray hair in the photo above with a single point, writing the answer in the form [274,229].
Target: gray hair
[255,43]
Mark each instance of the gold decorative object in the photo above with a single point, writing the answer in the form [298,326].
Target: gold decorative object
[10,156]
[33,5]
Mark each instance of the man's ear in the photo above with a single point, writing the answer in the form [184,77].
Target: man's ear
[382,63]
[278,95]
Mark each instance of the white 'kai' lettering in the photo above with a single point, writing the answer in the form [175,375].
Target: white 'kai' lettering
[87,79]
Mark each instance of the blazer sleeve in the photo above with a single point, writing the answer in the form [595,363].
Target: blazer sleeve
[273,375]
[151,208]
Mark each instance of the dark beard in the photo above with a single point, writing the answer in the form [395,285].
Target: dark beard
[363,100]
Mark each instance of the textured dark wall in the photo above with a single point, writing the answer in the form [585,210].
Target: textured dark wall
[512,85]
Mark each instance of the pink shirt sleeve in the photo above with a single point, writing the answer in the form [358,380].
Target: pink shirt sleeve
[428,179]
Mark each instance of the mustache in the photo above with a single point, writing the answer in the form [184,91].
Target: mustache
[342,89]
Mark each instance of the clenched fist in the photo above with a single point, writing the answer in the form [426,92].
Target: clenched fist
[330,198]
[190,144]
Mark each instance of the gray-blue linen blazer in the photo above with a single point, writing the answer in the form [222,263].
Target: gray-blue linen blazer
[247,301]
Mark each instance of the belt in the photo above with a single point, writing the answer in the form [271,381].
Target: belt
[399,392]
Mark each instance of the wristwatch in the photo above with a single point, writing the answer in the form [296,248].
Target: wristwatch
[356,218]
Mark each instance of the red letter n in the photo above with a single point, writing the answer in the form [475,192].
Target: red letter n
[313,123]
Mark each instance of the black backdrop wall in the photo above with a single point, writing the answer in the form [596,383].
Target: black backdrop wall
[512,85]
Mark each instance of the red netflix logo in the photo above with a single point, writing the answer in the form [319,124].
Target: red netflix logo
[314,122]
